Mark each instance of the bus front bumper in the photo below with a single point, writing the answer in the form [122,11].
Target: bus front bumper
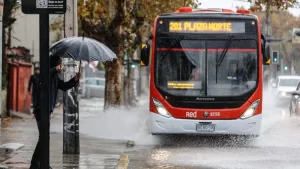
[163,125]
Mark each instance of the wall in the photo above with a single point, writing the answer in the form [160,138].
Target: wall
[26,33]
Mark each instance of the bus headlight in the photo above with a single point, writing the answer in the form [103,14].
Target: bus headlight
[283,93]
[161,109]
[251,110]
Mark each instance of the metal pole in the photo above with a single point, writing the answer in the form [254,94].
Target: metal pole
[273,67]
[71,106]
[45,106]
[71,114]
[128,78]
[140,81]
[2,31]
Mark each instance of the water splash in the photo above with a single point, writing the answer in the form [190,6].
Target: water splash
[121,124]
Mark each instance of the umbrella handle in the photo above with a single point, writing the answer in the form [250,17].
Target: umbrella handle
[79,67]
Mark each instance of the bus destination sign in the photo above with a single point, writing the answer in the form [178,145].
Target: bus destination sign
[206,27]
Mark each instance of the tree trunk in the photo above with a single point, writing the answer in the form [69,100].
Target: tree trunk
[113,85]
[132,87]
[4,60]
[9,37]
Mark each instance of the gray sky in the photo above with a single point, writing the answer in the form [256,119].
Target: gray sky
[231,4]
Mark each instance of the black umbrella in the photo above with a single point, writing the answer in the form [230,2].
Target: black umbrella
[82,48]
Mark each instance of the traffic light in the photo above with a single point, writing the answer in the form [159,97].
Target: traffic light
[275,57]
[285,67]
[134,63]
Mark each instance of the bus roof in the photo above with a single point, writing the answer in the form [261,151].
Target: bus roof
[209,13]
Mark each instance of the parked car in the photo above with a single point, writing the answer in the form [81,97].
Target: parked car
[92,87]
[283,87]
[294,106]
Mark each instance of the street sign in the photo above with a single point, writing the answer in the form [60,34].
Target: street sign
[296,35]
[44,6]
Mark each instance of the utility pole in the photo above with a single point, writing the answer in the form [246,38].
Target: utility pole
[44,9]
[268,32]
[45,81]
[1,52]
[71,144]
[128,80]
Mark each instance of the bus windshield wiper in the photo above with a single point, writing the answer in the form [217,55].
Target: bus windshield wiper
[219,61]
[229,41]
[172,45]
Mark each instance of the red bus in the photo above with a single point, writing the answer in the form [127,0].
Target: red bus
[206,72]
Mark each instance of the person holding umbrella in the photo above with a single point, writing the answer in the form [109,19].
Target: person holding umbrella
[55,84]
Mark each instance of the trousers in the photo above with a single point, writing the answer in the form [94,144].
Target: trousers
[36,157]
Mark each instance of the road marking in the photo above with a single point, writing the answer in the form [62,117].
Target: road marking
[123,162]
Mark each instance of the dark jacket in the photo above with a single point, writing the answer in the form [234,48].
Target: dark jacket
[55,84]
[34,83]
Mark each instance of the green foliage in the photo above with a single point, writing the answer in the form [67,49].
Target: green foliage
[101,67]
[120,24]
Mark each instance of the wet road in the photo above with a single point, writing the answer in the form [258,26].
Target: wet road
[278,147]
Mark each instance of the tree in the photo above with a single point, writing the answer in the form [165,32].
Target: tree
[57,26]
[118,24]
[282,24]
[257,5]
[9,10]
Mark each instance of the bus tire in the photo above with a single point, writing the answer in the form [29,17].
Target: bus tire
[254,136]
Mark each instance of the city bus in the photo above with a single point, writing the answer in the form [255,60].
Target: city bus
[206,72]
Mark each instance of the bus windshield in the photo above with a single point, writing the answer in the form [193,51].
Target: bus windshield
[195,67]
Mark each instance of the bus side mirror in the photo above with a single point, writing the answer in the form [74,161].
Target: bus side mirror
[145,53]
[265,51]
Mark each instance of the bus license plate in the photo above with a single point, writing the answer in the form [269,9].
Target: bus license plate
[205,127]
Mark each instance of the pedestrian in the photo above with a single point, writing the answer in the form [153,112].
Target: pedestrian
[55,84]
[33,84]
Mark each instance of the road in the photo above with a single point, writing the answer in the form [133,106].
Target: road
[277,148]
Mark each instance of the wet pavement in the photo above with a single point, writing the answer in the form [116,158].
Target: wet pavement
[103,144]
[278,147]
[95,153]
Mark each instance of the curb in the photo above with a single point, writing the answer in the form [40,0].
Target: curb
[10,147]
[20,115]
[3,167]
[123,162]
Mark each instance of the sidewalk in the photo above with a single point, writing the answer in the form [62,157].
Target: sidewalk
[95,153]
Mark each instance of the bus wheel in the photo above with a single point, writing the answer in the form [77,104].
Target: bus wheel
[251,137]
